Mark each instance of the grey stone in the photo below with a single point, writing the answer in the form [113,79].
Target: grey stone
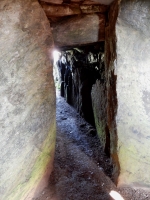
[133,81]
[27,107]
[79,30]
[98,95]
[127,92]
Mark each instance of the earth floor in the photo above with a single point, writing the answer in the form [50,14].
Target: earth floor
[81,169]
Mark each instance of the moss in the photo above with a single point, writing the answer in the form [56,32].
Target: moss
[99,128]
[40,167]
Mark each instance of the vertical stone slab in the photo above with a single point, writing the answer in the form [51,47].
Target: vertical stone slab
[111,94]
[27,99]
[98,95]
[133,92]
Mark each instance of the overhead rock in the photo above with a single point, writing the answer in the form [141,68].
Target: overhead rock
[52,1]
[66,10]
[99,104]
[127,50]
[27,100]
[105,2]
[79,30]
[110,87]
[61,10]
[93,8]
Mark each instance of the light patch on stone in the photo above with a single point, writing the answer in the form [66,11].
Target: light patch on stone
[115,195]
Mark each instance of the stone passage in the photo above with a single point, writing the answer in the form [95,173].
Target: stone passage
[111,91]
[82,81]
[133,93]
[81,169]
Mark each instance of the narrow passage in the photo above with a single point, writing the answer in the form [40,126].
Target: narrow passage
[81,169]
[80,163]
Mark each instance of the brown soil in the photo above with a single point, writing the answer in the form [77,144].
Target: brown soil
[81,170]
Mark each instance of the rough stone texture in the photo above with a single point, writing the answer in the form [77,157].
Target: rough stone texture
[99,108]
[27,100]
[133,92]
[52,1]
[111,96]
[79,30]
[105,2]
[61,10]
[52,10]
[93,8]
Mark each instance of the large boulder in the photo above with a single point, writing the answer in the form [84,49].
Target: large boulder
[99,105]
[133,92]
[27,100]
[79,30]
[105,2]
[128,92]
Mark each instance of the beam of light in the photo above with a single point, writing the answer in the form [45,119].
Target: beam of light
[56,56]
[115,195]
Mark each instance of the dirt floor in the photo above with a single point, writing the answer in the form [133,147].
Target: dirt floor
[81,170]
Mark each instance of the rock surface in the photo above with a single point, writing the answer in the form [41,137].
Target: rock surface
[105,2]
[52,1]
[27,100]
[61,10]
[79,30]
[133,92]
[99,109]
[52,10]
[111,95]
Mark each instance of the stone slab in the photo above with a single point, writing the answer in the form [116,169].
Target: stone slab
[133,92]
[79,30]
[27,99]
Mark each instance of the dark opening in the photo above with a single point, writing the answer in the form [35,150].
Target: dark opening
[78,70]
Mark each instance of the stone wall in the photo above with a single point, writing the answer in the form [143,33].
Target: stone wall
[79,30]
[110,76]
[133,92]
[27,100]
[99,104]
[127,72]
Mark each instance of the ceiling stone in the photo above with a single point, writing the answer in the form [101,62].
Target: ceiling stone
[77,22]
[52,10]
[79,30]
[53,1]
[60,10]
[104,2]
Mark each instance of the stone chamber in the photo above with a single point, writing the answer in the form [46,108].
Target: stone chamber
[103,71]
